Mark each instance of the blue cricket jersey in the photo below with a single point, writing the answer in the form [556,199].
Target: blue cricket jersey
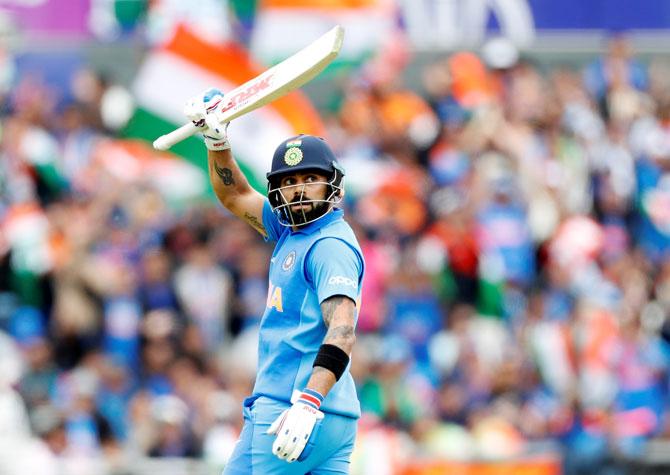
[319,260]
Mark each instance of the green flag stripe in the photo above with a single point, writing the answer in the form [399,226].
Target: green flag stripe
[147,126]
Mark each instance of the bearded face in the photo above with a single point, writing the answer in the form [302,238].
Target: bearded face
[303,197]
[304,210]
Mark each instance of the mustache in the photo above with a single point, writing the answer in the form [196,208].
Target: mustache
[298,199]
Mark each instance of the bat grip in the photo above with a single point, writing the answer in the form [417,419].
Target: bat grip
[166,141]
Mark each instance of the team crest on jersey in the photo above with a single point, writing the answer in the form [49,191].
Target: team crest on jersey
[293,156]
[289,261]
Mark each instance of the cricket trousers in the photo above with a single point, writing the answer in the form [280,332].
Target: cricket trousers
[328,450]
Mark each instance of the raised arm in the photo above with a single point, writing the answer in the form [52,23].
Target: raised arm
[229,183]
[233,189]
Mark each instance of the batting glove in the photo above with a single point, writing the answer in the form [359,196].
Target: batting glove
[295,425]
[201,111]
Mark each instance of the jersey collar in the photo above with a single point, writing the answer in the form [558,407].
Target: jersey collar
[329,217]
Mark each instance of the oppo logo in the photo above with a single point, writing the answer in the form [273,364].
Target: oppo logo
[340,280]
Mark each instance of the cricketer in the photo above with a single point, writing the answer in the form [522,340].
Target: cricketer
[302,415]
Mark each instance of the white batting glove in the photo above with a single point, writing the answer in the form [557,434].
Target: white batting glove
[295,425]
[201,111]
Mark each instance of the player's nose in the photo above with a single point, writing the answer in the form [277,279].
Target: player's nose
[299,187]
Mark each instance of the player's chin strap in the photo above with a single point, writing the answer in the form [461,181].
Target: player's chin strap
[281,205]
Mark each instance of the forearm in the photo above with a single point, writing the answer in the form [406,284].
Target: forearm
[228,181]
[234,191]
[339,316]
[323,379]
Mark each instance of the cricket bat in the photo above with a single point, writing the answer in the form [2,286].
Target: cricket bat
[277,81]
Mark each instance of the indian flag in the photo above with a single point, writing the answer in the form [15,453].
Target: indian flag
[187,65]
[294,143]
[284,26]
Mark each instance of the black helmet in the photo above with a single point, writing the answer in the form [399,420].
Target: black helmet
[299,154]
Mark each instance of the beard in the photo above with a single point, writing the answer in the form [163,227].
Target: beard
[314,210]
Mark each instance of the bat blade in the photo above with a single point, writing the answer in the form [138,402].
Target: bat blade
[275,82]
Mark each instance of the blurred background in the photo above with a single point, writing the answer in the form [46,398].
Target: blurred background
[508,177]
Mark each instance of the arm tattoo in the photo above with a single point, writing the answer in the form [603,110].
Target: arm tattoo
[342,333]
[328,308]
[225,174]
[338,334]
[255,222]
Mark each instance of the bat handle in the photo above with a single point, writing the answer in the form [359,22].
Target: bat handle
[166,141]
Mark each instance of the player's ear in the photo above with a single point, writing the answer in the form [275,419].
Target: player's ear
[339,195]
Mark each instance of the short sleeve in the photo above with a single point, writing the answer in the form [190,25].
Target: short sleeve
[271,223]
[334,268]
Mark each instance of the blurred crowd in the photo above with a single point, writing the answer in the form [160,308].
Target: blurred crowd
[517,243]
